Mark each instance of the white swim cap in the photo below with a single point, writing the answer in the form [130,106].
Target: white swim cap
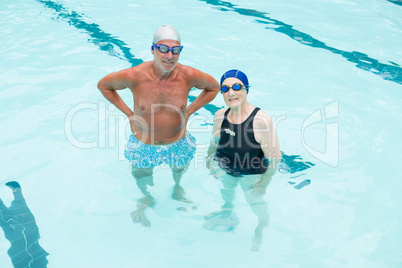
[166,32]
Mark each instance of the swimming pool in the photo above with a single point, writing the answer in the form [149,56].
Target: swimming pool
[326,71]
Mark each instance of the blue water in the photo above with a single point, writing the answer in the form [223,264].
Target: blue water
[328,73]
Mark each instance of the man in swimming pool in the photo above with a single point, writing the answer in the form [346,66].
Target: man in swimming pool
[158,121]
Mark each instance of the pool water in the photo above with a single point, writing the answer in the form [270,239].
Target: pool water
[327,72]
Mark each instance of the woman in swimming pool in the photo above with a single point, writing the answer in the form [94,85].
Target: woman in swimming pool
[244,150]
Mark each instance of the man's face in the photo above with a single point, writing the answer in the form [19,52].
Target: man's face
[166,61]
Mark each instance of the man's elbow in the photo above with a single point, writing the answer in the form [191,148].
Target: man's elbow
[213,92]
[103,87]
[100,85]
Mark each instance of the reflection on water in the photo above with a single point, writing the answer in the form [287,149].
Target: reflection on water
[291,164]
[19,226]
[227,219]
[144,179]
[254,192]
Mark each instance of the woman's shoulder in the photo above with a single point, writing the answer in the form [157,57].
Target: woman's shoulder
[262,118]
[261,112]
[221,112]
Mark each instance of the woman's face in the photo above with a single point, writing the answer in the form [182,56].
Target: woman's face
[233,98]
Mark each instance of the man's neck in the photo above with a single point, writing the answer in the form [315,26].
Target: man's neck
[162,74]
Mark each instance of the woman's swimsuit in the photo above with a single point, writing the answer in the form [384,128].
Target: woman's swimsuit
[238,152]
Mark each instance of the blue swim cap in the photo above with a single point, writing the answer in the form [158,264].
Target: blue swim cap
[236,74]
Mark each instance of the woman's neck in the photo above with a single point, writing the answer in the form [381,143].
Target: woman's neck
[241,113]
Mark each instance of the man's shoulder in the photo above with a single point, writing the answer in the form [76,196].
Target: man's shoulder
[138,71]
[186,70]
[194,75]
[141,67]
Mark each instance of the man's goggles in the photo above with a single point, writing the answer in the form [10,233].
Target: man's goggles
[166,49]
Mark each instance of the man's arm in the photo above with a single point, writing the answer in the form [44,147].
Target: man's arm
[117,81]
[209,87]
[112,82]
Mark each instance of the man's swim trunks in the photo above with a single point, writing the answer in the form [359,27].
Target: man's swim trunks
[143,155]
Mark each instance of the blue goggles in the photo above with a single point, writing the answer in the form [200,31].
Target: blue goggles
[235,87]
[166,49]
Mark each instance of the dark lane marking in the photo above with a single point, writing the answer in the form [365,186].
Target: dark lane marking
[391,72]
[396,2]
[105,41]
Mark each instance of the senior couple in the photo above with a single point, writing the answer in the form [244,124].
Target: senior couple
[244,149]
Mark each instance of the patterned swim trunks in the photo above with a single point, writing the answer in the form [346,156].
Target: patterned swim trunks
[143,155]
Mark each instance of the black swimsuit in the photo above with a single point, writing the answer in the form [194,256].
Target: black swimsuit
[238,152]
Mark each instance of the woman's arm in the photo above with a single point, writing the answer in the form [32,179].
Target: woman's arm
[216,133]
[265,135]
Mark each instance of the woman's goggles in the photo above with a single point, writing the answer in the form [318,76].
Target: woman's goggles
[235,87]
[166,49]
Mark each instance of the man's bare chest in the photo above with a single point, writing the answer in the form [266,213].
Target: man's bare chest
[157,99]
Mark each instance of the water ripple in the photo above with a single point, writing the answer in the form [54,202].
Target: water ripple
[391,72]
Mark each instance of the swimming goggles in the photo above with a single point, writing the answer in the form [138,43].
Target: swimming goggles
[235,87]
[166,49]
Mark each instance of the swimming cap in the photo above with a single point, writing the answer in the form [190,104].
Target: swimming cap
[166,32]
[236,74]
